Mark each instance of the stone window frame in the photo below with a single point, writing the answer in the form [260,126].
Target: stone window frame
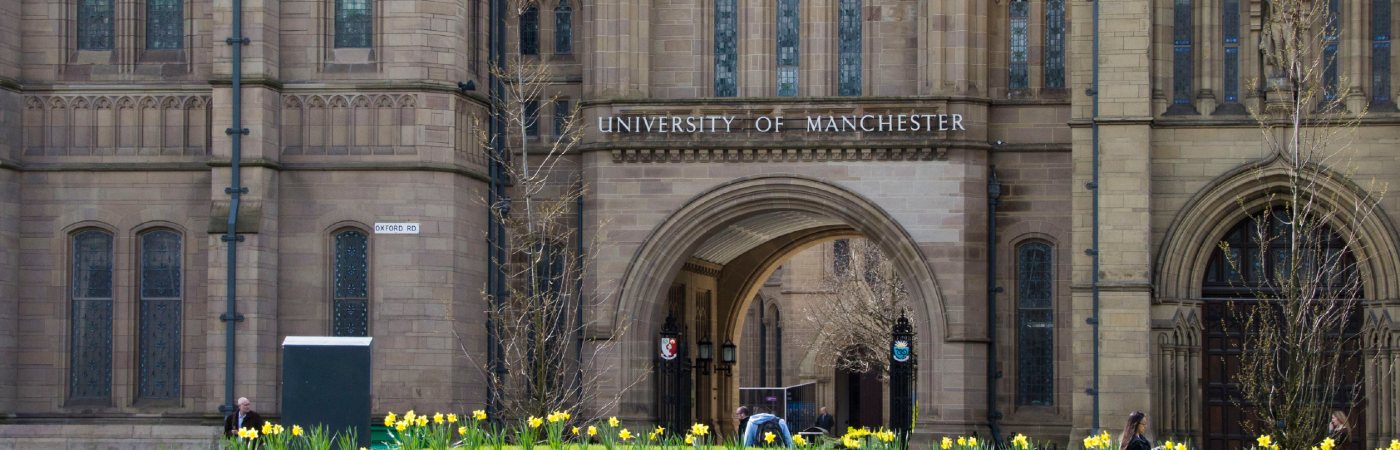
[711,27]
[128,39]
[70,361]
[331,257]
[139,298]
[1380,44]
[858,51]
[1037,29]
[1057,314]
[350,60]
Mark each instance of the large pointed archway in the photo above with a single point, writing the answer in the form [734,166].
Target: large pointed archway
[752,224]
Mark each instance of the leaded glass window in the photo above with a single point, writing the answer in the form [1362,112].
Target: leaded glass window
[530,31]
[1329,50]
[1035,325]
[563,28]
[561,117]
[165,24]
[1182,67]
[532,118]
[841,256]
[1230,33]
[787,47]
[353,23]
[90,354]
[350,282]
[1380,52]
[1020,42]
[95,24]
[726,48]
[1054,44]
[160,312]
[848,33]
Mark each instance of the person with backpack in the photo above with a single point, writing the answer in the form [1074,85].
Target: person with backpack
[763,423]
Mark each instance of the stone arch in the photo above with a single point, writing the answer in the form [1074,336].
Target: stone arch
[665,249]
[1216,208]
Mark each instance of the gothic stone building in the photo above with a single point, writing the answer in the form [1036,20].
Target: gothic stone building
[114,161]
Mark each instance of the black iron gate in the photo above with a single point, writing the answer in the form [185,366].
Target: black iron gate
[673,390]
[903,368]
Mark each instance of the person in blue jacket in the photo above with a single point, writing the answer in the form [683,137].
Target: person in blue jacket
[758,423]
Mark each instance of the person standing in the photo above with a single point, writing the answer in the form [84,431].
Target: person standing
[742,415]
[1133,437]
[1339,428]
[825,421]
[245,417]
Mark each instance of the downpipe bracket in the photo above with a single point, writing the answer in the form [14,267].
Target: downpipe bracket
[226,318]
[242,131]
[244,41]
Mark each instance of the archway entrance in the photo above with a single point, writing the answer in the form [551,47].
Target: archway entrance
[709,260]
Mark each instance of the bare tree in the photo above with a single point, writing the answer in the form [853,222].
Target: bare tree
[1300,291]
[541,361]
[860,301]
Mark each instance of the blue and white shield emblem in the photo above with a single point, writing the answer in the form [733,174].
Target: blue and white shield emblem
[900,350]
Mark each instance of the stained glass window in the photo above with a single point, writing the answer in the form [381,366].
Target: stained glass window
[165,24]
[787,47]
[841,256]
[1035,323]
[1380,52]
[563,28]
[726,48]
[1329,50]
[532,118]
[351,284]
[90,373]
[1054,44]
[160,312]
[848,33]
[95,23]
[530,31]
[1020,52]
[1182,67]
[353,23]
[561,116]
[1230,32]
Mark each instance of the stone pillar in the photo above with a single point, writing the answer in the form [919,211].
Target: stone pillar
[619,58]
[257,342]
[952,47]
[9,201]
[1124,216]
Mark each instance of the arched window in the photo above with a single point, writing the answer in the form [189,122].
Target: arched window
[1019,67]
[1054,44]
[563,28]
[848,35]
[1380,54]
[1230,39]
[1329,50]
[787,47]
[165,24]
[1035,325]
[353,23]
[726,48]
[776,327]
[160,305]
[95,22]
[1182,65]
[841,256]
[90,335]
[530,31]
[350,284]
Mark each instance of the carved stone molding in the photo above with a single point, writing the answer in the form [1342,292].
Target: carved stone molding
[117,125]
[349,124]
[779,155]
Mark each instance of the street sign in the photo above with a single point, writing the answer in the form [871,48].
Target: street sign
[396,228]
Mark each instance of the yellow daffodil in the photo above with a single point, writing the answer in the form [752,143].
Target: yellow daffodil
[1265,441]
[554,417]
[267,428]
[252,434]
[1169,444]
[410,416]
[972,441]
[1395,444]
[592,431]
[479,415]
[613,422]
[566,415]
[659,430]
[535,422]
[699,429]
[1021,442]
[962,441]
[401,425]
[462,431]
[422,421]
[1180,446]
[1090,442]
[451,418]
[799,441]
[277,429]
[296,430]
[651,436]
[390,419]
[850,442]
[689,440]
[576,431]
[1327,444]
[769,437]
[624,434]
[439,418]
[947,443]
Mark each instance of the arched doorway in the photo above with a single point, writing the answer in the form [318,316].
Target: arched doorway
[737,235]
[1235,284]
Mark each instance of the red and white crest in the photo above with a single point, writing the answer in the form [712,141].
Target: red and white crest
[668,348]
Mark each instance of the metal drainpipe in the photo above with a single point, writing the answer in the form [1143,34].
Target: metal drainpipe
[235,192]
[1094,188]
[578,288]
[993,373]
[495,278]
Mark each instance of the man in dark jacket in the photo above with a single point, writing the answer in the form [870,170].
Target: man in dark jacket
[244,418]
[742,415]
[825,421]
